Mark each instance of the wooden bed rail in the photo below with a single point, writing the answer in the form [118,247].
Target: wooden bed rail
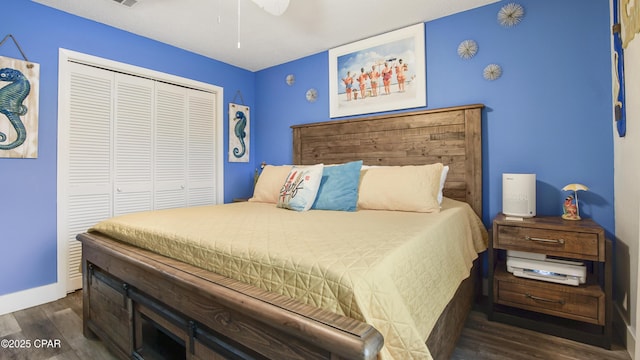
[206,310]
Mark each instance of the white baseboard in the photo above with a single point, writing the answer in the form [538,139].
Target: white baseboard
[631,343]
[32,297]
[625,330]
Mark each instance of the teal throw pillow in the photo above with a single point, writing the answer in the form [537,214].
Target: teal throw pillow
[339,187]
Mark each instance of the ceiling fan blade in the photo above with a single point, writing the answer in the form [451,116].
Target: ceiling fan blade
[273,7]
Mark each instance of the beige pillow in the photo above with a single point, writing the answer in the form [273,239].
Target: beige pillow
[403,188]
[269,183]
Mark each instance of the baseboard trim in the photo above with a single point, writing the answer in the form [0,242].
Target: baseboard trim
[625,331]
[32,297]
[631,343]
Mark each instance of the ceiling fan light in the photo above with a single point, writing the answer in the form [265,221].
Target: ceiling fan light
[273,7]
[128,3]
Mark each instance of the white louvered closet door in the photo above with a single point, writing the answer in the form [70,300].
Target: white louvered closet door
[133,144]
[201,152]
[170,146]
[88,183]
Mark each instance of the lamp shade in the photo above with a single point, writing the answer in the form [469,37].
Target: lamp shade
[575,187]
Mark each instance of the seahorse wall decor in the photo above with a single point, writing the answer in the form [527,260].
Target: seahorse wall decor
[630,20]
[11,106]
[18,109]
[238,133]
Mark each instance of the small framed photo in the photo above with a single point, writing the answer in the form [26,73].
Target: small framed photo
[381,73]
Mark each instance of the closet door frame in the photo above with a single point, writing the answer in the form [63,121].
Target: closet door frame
[65,57]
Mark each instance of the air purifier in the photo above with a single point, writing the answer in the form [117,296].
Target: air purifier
[519,195]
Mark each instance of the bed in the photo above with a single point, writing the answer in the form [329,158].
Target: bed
[141,302]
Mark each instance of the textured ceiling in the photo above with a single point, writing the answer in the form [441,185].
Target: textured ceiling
[213,28]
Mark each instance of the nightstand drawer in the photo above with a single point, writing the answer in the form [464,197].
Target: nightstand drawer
[570,304]
[572,244]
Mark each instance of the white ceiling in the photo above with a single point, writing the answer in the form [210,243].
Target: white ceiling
[210,27]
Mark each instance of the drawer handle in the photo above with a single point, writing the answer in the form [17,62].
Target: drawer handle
[548,241]
[537,298]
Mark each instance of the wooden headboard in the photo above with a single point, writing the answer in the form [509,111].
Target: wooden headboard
[451,136]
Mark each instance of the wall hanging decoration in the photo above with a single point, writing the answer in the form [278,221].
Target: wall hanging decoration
[290,79]
[312,95]
[19,93]
[239,139]
[510,14]
[384,72]
[629,15]
[492,72]
[619,107]
[467,49]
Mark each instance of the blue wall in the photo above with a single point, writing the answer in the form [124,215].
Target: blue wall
[28,186]
[548,114]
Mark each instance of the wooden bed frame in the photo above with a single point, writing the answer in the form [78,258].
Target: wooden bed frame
[138,302]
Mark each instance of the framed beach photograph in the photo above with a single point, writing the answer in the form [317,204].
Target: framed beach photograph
[381,73]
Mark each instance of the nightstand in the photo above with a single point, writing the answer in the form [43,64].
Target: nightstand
[581,313]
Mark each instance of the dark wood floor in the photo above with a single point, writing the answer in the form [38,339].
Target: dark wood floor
[485,340]
[62,320]
[58,320]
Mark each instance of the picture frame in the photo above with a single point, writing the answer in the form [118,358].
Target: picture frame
[357,68]
[239,135]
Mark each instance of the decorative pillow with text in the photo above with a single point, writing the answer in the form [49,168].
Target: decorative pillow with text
[300,187]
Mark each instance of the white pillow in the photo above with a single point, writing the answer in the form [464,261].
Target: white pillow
[443,179]
[300,187]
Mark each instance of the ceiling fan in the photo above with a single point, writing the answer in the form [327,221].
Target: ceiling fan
[273,7]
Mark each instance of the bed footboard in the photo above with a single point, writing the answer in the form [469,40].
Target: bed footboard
[139,303]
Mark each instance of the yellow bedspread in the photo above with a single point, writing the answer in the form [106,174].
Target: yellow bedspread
[395,270]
